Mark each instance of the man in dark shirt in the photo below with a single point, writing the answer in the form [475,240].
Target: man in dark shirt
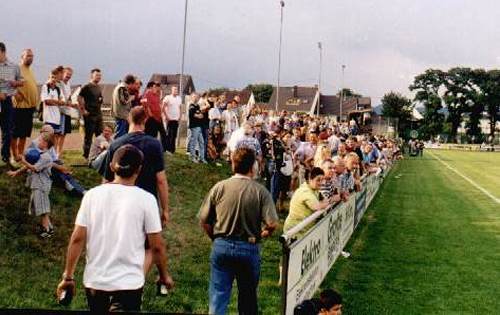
[90,101]
[196,133]
[236,214]
[152,177]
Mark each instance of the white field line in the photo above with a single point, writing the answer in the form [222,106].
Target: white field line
[473,183]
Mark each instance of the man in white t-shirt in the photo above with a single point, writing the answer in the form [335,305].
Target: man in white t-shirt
[52,98]
[113,223]
[172,114]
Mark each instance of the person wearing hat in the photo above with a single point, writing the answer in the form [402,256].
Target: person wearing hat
[112,224]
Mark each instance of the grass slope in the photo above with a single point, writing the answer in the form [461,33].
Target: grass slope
[428,245]
[30,268]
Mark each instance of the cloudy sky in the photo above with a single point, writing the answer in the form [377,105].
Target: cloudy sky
[231,43]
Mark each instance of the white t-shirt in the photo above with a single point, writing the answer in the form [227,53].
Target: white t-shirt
[172,106]
[117,218]
[51,114]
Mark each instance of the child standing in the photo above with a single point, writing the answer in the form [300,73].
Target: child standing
[40,182]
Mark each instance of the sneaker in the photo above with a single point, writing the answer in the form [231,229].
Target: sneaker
[45,234]
[204,161]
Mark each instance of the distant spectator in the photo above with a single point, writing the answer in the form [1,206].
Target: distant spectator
[67,108]
[196,143]
[122,103]
[327,187]
[172,114]
[100,147]
[152,103]
[53,98]
[90,101]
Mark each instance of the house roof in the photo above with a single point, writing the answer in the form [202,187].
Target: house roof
[294,98]
[169,80]
[330,104]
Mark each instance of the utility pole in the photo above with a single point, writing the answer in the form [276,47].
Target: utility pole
[181,79]
[282,4]
[342,92]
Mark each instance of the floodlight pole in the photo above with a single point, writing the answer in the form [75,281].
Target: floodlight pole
[181,79]
[320,47]
[282,4]
[342,92]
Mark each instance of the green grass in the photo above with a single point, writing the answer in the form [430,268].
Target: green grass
[429,244]
[483,168]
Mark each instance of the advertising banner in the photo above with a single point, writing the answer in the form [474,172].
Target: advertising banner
[360,205]
[313,255]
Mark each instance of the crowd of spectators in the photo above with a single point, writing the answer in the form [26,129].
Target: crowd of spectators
[312,162]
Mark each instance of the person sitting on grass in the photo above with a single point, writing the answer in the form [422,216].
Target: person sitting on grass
[38,164]
[60,174]
[100,146]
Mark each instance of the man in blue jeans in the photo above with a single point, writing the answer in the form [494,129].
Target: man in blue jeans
[196,140]
[236,214]
[10,80]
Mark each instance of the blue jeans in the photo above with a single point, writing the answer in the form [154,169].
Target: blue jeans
[196,141]
[232,259]
[121,127]
[7,126]
[205,133]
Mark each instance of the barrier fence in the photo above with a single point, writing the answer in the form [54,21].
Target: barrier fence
[307,260]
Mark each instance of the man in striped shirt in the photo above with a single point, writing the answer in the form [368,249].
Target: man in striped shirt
[10,80]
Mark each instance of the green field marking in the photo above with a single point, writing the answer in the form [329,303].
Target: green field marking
[429,244]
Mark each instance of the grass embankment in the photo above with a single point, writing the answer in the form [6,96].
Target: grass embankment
[430,243]
[31,268]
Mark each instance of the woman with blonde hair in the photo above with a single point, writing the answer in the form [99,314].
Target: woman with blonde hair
[322,154]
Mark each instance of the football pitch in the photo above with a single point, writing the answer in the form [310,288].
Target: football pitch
[429,243]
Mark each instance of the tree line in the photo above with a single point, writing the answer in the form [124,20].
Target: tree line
[449,98]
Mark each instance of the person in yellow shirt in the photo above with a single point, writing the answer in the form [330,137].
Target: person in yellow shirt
[305,201]
[25,102]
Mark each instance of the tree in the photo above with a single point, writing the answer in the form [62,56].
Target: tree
[261,91]
[490,87]
[348,93]
[218,90]
[397,107]
[427,87]
[459,93]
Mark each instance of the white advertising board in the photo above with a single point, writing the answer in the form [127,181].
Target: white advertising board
[313,255]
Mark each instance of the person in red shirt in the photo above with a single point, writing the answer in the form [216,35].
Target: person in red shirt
[151,102]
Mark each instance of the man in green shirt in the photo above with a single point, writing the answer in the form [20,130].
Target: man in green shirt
[236,214]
